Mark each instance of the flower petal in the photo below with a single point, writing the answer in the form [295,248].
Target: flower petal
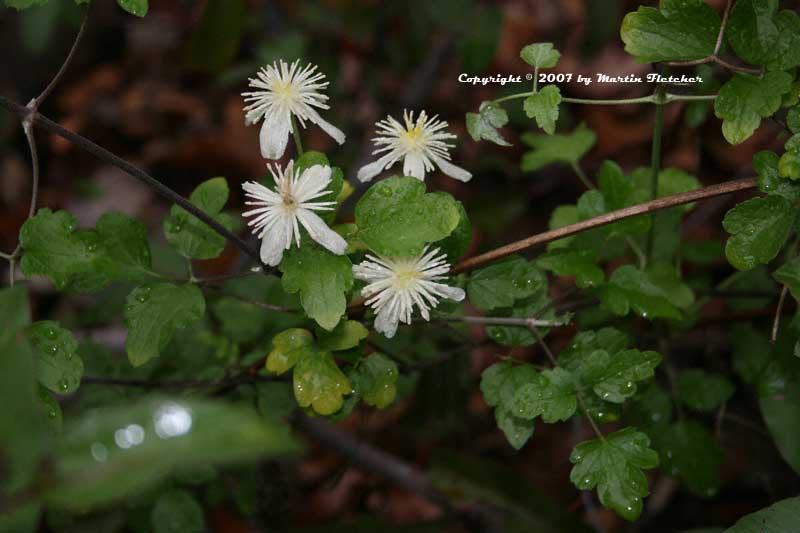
[414,165]
[320,232]
[367,172]
[327,127]
[275,134]
[386,322]
[452,170]
[452,293]
[272,246]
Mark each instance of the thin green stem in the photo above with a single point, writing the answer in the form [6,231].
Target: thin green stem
[582,175]
[650,99]
[296,134]
[592,423]
[637,250]
[535,79]
[655,164]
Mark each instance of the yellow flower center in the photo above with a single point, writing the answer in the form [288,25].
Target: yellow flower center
[284,90]
[405,278]
[413,138]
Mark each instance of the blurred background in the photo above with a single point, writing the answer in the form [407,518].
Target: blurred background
[164,92]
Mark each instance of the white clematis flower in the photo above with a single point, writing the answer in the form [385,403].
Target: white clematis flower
[396,285]
[420,143]
[276,218]
[284,91]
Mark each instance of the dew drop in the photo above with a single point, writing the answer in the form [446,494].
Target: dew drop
[63,386]
[142,298]
[52,413]
[50,333]
[53,349]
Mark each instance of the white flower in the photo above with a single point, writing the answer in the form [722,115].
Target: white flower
[421,143]
[397,284]
[279,211]
[284,91]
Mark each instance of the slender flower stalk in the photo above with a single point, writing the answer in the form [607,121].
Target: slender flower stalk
[421,143]
[396,285]
[283,91]
[280,212]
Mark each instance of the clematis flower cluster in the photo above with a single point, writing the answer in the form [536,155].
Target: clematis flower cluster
[284,94]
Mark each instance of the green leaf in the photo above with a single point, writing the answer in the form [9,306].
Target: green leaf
[667,277]
[344,336]
[377,375]
[556,148]
[134,7]
[744,100]
[759,228]
[275,400]
[527,308]
[23,422]
[321,278]
[770,181]
[703,391]
[319,384]
[540,55]
[614,465]
[751,31]
[579,263]
[456,244]
[499,385]
[189,235]
[503,283]
[500,382]
[58,367]
[651,409]
[53,410]
[217,38]
[613,377]
[789,275]
[786,52]
[751,352]
[149,440]
[630,288]
[689,453]
[288,347]
[396,217]
[124,243]
[779,408]
[793,119]
[585,342]
[71,259]
[24,4]
[483,125]
[777,518]
[84,260]
[789,163]
[177,511]
[543,106]
[154,312]
[681,30]
[551,395]
[517,430]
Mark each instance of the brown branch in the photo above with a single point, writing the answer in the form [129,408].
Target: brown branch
[101,153]
[372,459]
[602,220]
